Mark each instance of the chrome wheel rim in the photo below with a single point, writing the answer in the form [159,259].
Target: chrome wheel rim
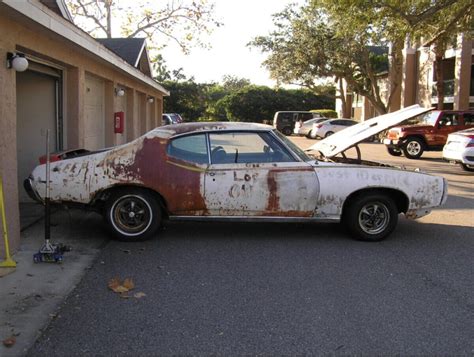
[413,148]
[131,215]
[374,218]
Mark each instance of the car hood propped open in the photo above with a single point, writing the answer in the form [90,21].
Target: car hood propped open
[351,136]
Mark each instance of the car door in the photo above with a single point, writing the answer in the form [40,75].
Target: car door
[254,174]
[448,123]
[181,181]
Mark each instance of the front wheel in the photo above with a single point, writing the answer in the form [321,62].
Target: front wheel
[371,218]
[466,167]
[133,214]
[394,152]
[413,148]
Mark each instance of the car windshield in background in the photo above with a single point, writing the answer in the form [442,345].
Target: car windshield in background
[424,119]
[301,154]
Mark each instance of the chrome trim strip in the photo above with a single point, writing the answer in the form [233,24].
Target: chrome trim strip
[256,219]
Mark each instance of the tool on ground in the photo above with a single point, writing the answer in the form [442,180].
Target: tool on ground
[8,262]
[49,252]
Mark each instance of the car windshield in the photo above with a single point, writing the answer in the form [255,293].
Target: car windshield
[300,153]
[425,119]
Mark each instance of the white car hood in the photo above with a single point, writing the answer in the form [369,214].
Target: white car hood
[354,134]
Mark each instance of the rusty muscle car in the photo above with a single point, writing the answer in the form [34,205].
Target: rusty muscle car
[240,172]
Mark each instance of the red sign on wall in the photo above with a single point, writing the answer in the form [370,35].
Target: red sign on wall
[119,122]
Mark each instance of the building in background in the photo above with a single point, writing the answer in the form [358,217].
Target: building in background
[418,82]
[88,93]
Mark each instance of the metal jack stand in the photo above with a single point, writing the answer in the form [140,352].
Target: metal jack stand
[49,252]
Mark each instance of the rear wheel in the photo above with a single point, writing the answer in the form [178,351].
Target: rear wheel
[394,152]
[329,133]
[371,218]
[133,214]
[287,131]
[413,148]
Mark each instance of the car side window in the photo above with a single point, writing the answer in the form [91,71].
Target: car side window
[246,147]
[192,148]
[449,119]
[468,119]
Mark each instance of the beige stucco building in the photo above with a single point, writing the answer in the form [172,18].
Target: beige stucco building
[74,86]
[418,82]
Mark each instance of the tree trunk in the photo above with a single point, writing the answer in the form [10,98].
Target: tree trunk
[108,11]
[343,100]
[439,54]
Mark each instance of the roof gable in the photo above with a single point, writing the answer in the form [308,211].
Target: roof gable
[131,50]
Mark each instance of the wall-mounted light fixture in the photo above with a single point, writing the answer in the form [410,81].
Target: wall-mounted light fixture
[151,100]
[119,92]
[17,61]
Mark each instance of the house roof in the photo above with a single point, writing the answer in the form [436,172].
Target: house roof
[59,7]
[43,15]
[130,49]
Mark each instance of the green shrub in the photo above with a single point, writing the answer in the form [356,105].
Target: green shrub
[327,113]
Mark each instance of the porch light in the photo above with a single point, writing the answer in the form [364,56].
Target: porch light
[17,61]
[151,100]
[119,92]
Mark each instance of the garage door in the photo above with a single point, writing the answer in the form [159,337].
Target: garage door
[36,112]
[94,121]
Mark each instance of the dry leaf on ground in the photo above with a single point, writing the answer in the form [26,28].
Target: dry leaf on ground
[116,286]
[139,295]
[9,342]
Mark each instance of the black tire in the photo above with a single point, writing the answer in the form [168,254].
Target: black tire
[371,218]
[287,131]
[469,168]
[132,214]
[329,133]
[414,148]
[309,135]
[394,152]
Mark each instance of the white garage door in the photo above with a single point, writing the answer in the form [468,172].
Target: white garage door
[36,112]
[94,120]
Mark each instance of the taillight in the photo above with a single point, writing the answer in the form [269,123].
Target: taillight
[318,125]
[470,144]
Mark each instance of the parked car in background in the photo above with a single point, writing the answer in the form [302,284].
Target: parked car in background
[459,149]
[239,172]
[285,121]
[428,134]
[304,128]
[171,118]
[329,127]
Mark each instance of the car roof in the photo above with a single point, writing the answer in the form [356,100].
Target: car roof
[186,128]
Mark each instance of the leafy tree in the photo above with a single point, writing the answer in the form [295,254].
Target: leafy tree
[306,46]
[182,22]
[187,98]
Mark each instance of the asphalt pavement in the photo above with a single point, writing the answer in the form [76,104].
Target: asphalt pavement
[233,289]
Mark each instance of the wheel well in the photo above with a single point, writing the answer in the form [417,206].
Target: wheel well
[101,197]
[418,137]
[400,199]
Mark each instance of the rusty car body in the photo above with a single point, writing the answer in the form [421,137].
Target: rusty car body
[237,171]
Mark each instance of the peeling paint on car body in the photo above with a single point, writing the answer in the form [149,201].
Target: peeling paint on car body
[298,189]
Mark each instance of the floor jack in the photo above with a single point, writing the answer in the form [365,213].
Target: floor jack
[49,252]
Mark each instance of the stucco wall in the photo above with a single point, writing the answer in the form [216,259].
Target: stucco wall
[20,34]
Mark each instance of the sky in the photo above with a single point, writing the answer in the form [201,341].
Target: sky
[243,20]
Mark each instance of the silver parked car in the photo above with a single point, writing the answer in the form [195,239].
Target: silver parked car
[304,128]
[241,172]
